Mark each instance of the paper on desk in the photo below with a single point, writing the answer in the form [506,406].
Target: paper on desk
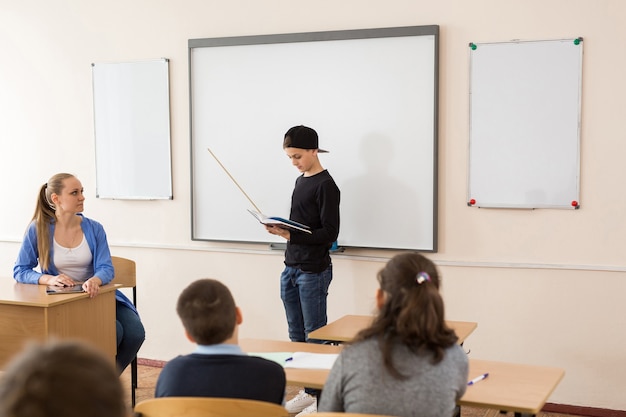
[278,357]
[306,360]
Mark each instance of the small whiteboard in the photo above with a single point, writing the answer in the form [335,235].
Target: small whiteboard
[132,130]
[525,101]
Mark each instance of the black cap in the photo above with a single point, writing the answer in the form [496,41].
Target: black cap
[302,137]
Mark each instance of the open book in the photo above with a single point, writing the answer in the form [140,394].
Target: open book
[279,221]
[300,360]
[308,360]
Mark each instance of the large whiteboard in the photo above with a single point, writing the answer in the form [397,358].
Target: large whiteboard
[525,101]
[132,129]
[370,94]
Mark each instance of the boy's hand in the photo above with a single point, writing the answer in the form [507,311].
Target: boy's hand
[278,231]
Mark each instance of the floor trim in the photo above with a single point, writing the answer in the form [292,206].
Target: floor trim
[151,362]
[582,411]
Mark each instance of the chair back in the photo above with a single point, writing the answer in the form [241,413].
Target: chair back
[125,272]
[126,275]
[207,407]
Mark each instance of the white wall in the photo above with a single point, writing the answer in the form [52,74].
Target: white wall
[545,286]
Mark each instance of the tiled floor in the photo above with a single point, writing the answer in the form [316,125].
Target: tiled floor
[149,374]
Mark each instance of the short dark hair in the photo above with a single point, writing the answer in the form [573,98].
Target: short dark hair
[208,311]
[89,382]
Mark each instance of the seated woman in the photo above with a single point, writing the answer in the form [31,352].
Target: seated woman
[72,249]
[408,362]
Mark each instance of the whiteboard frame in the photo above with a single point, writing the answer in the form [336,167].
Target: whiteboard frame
[204,205]
[132,130]
[525,117]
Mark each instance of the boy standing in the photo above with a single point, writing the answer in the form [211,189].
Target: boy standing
[218,367]
[308,269]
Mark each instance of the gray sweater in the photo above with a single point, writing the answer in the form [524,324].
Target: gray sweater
[359,383]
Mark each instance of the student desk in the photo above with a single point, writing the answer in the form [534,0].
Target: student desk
[345,328]
[523,389]
[28,313]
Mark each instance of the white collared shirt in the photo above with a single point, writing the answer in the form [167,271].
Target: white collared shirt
[219,349]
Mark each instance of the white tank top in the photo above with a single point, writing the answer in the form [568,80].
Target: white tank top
[76,262]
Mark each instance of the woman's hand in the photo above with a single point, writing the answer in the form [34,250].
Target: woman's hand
[92,286]
[60,280]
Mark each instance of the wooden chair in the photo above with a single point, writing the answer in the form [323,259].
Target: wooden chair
[126,275]
[207,407]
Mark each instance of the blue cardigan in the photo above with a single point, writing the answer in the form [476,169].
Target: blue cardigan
[28,257]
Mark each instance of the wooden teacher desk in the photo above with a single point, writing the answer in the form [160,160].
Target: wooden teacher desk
[345,328]
[28,313]
[523,389]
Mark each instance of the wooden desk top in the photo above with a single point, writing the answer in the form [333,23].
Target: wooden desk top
[345,328]
[264,345]
[15,293]
[510,387]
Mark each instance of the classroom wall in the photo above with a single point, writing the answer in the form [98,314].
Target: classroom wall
[545,286]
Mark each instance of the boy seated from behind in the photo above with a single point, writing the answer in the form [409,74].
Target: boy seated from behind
[218,367]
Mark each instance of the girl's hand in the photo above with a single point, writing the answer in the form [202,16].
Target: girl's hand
[61,280]
[92,286]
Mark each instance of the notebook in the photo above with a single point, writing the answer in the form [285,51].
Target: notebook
[279,221]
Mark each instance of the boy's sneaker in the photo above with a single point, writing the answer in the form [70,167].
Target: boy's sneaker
[300,402]
[312,409]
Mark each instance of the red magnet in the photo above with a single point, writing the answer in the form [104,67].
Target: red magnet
[472,202]
[574,203]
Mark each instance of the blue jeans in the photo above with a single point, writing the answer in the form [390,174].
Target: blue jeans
[304,297]
[130,335]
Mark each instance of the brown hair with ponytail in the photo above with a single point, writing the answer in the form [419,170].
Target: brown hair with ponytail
[45,215]
[413,311]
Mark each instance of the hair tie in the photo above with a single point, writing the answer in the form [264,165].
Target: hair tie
[422,277]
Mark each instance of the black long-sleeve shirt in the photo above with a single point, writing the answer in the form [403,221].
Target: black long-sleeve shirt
[314,202]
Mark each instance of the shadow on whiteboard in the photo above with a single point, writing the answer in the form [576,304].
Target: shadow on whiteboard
[381,204]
